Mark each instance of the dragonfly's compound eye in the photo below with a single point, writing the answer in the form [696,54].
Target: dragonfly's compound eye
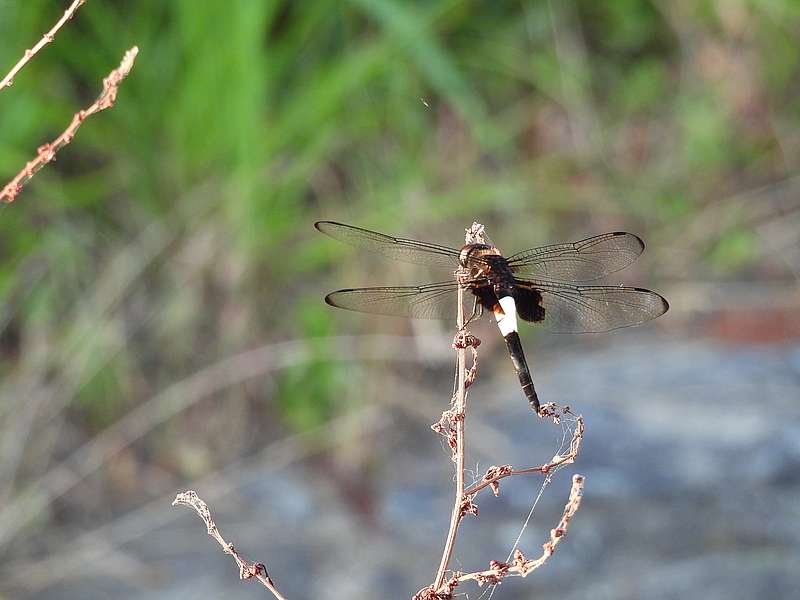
[474,272]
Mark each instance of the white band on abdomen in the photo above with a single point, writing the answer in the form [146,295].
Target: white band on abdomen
[507,320]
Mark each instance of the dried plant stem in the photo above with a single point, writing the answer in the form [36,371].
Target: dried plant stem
[47,152]
[522,566]
[495,474]
[46,39]
[452,426]
[247,569]
[459,410]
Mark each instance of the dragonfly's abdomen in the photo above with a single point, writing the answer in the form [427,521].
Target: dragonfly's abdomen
[521,367]
[505,312]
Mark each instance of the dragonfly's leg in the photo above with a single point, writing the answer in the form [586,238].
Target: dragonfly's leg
[477,311]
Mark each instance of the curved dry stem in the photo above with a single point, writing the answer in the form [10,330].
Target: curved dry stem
[47,152]
[521,566]
[46,39]
[247,569]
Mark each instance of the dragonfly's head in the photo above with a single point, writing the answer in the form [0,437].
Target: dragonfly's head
[469,255]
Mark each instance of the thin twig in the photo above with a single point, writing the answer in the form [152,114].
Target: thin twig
[89,547]
[495,474]
[455,418]
[46,39]
[47,152]
[521,566]
[458,416]
[247,569]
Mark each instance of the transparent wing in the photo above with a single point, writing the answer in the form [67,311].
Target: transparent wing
[586,260]
[587,309]
[411,251]
[431,301]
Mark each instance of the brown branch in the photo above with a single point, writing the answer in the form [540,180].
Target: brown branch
[521,566]
[46,39]
[452,421]
[456,415]
[247,569]
[47,152]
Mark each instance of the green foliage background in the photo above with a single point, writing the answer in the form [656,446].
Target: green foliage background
[176,230]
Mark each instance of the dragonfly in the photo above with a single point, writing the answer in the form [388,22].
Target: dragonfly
[542,286]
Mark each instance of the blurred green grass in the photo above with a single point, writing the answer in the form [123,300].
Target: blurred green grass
[176,229]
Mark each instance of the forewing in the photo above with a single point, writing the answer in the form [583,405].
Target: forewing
[582,261]
[405,250]
[431,301]
[593,309]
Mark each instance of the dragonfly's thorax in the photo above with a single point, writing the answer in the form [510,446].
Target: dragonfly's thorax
[482,266]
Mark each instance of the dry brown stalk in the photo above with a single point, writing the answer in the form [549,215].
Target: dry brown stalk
[46,39]
[453,423]
[494,474]
[451,426]
[522,566]
[456,430]
[247,569]
[47,152]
